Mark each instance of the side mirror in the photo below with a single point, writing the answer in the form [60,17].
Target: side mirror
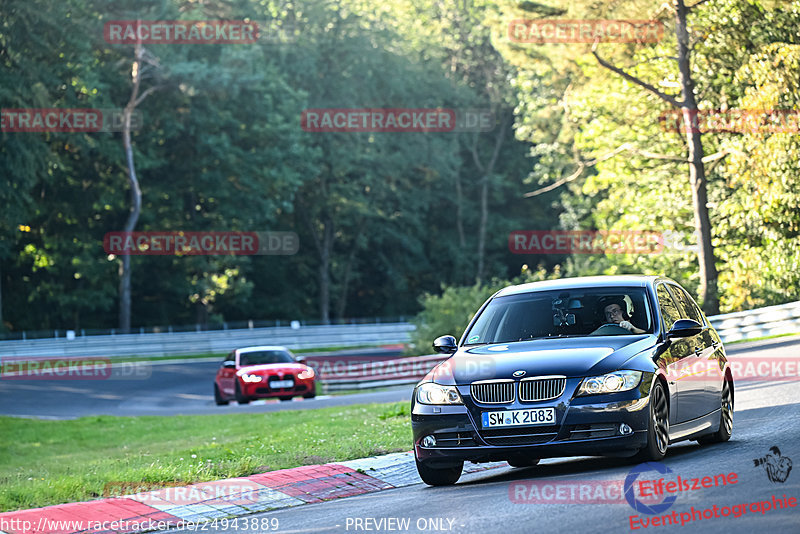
[684,328]
[301,360]
[229,364]
[445,345]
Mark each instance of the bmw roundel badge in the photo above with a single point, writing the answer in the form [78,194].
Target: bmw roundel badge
[517,374]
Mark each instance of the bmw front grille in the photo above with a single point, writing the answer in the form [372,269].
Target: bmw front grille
[493,391]
[540,388]
[537,388]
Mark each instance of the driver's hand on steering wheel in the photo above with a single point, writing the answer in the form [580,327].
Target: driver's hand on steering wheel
[626,325]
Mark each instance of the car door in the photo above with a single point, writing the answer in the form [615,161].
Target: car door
[675,356]
[691,381]
[705,348]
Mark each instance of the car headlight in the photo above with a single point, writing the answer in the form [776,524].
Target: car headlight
[252,378]
[430,393]
[306,373]
[610,383]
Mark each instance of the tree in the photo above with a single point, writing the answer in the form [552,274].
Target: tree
[708,293]
[142,62]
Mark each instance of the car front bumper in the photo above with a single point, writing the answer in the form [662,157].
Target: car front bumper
[589,425]
[262,390]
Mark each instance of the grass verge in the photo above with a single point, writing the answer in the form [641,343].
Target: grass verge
[758,339]
[52,462]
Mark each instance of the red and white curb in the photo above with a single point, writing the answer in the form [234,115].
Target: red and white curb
[236,497]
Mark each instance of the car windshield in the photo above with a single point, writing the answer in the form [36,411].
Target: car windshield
[265,356]
[561,313]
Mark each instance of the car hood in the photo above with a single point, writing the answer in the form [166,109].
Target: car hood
[571,357]
[269,368]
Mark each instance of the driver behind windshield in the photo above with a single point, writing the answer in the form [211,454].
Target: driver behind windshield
[615,312]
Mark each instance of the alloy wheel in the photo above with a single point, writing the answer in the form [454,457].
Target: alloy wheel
[660,419]
[727,408]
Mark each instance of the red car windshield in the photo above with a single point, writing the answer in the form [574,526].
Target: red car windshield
[265,356]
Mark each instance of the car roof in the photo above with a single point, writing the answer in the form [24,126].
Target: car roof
[582,282]
[262,347]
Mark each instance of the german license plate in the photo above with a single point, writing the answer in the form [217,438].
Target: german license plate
[531,417]
[279,384]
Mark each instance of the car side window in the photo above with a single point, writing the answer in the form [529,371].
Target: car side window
[669,310]
[690,309]
[230,357]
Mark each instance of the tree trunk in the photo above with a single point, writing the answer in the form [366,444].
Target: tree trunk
[341,303]
[460,212]
[482,226]
[697,175]
[486,170]
[136,192]
[2,325]
[323,246]
[708,295]
[325,273]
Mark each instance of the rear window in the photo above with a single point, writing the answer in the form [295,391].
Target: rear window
[560,313]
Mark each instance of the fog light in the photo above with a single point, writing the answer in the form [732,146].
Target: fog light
[428,441]
[625,429]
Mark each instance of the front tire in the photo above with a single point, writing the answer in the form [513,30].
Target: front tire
[218,398]
[439,476]
[240,398]
[725,429]
[657,428]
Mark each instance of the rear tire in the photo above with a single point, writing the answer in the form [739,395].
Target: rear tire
[657,428]
[439,476]
[241,399]
[522,462]
[725,429]
[218,398]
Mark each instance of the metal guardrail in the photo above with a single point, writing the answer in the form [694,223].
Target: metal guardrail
[343,374]
[769,321]
[166,344]
[772,320]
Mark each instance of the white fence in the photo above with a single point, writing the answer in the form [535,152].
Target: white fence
[216,342]
[773,320]
[769,321]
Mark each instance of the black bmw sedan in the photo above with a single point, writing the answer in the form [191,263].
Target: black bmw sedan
[611,365]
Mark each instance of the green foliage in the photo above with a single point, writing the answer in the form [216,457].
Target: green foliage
[382,218]
[448,313]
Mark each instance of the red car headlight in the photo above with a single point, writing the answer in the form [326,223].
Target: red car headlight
[251,378]
[306,373]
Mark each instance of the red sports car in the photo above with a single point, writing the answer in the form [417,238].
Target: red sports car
[262,372]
